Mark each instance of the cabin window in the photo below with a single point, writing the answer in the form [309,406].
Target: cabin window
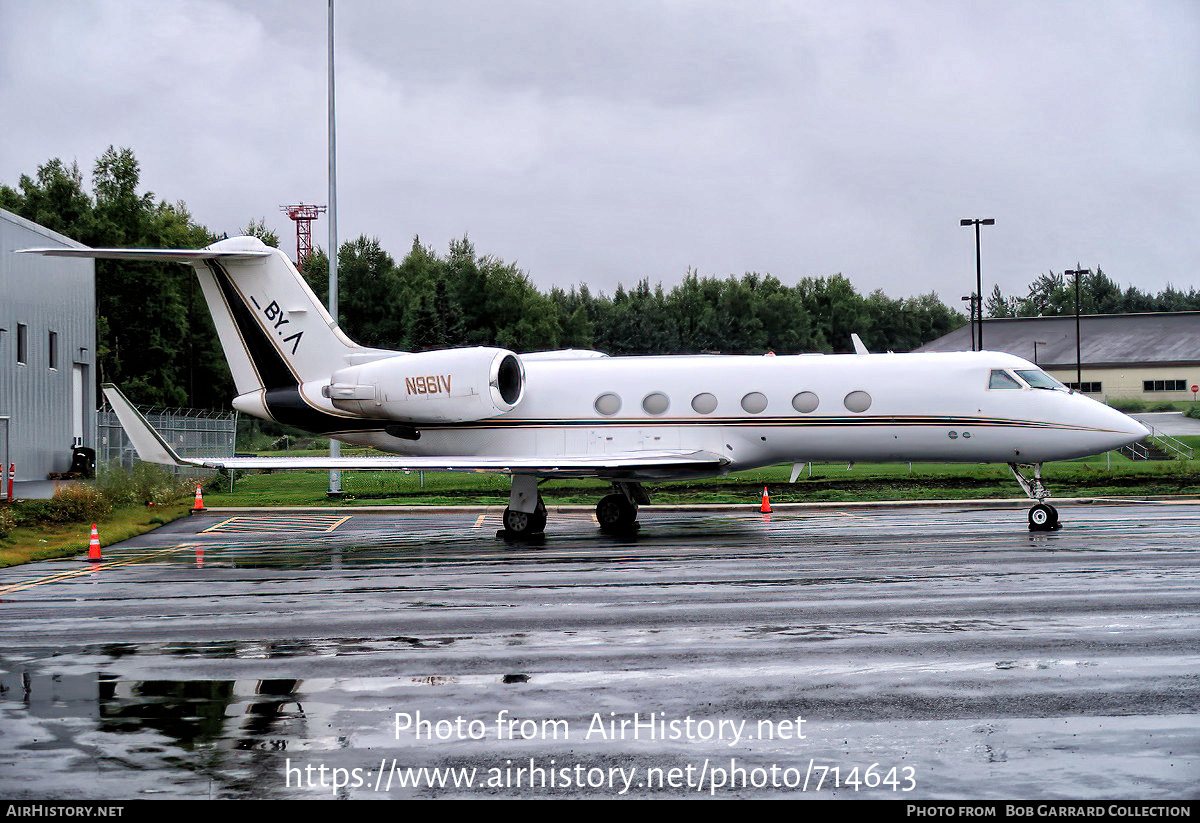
[805,402]
[608,403]
[754,402]
[704,403]
[857,401]
[1002,380]
[1039,379]
[655,403]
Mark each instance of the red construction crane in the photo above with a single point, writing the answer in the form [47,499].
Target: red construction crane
[303,215]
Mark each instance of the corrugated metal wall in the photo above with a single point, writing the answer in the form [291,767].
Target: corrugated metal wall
[50,397]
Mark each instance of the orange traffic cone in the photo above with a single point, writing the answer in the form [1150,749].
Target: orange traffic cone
[94,546]
[765,508]
[198,506]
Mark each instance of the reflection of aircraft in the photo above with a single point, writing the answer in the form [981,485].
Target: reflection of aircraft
[623,419]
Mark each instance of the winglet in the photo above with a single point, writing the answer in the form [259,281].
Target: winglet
[859,348]
[148,443]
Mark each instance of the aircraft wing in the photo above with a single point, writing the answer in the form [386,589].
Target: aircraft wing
[663,464]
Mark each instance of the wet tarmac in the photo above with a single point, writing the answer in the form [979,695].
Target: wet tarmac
[928,653]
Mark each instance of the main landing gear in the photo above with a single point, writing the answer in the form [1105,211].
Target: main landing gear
[617,513]
[525,524]
[1042,516]
[525,517]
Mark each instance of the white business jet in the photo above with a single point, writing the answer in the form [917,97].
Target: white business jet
[623,419]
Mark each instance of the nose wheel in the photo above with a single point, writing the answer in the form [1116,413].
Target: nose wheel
[1042,517]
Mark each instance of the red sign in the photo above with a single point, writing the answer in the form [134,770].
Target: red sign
[1195,388]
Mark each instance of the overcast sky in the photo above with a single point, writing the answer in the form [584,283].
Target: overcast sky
[604,142]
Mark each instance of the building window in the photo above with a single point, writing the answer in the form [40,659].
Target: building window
[22,343]
[1086,387]
[52,354]
[1164,385]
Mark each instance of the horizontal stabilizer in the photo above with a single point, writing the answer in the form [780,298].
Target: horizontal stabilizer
[168,255]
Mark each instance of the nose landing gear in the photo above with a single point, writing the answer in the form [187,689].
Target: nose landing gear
[1042,516]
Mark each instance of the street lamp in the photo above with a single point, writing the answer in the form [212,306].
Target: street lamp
[1076,273]
[977,222]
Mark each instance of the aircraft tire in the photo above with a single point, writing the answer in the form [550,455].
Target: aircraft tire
[615,514]
[1043,518]
[524,524]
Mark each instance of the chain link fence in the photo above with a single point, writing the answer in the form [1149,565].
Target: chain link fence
[191,432]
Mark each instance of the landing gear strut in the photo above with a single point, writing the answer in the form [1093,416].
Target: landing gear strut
[1042,516]
[617,513]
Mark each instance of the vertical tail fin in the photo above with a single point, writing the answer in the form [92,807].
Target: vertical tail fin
[273,329]
[281,344]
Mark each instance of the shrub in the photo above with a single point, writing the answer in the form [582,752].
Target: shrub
[7,521]
[1127,404]
[1164,406]
[79,502]
[145,483]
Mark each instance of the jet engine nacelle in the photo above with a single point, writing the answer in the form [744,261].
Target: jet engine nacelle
[445,386]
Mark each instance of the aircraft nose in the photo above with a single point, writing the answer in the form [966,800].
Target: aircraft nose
[1129,429]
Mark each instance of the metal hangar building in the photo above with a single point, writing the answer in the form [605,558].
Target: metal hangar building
[47,356]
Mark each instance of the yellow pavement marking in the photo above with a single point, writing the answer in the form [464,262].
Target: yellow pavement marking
[88,569]
[278,523]
[479,520]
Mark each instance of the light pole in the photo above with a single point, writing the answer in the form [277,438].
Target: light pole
[1077,272]
[1037,343]
[971,299]
[335,446]
[977,222]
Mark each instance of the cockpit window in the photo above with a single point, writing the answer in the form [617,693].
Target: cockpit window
[1002,380]
[1039,379]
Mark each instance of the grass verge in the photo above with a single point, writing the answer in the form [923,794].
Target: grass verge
[50,540]
[1097,477]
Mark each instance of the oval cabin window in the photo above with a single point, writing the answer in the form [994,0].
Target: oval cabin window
[754,402]
[805,402]
[608,403]
[656,403]
[858,401]
[704,403]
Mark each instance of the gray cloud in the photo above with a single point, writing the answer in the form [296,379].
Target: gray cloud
[609,141]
